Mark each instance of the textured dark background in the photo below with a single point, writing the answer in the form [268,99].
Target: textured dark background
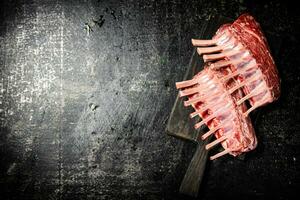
[83,115]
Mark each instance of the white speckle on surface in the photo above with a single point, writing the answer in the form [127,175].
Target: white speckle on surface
[11,168]
[142,83]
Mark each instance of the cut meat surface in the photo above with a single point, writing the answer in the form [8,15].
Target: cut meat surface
[239,69]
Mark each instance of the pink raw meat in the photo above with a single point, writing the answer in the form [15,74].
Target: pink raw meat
[238,69]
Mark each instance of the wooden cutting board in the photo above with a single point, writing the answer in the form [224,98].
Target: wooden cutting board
[181,126]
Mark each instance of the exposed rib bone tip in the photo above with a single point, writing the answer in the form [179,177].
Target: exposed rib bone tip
[196,126]
[184,84]
[197,42]
[194,114]
[199,124]
[226,151]
[187,92]
[210,132]
[177,85]
[180,94]
[187,103]
[193,42]
[215,142]
[199,51]
[207,50]
[205,58]
[192,101]
[212,57]
[250,110]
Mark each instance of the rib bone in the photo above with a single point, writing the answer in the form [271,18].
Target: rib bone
[204,43]
[215,142]
[218,56]
[205,50]
[226,151]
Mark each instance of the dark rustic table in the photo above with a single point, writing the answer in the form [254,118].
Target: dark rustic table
[86,89]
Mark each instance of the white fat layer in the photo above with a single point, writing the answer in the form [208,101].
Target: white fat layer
[223,39]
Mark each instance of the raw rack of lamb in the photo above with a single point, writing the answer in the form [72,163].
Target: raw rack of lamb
[239,76]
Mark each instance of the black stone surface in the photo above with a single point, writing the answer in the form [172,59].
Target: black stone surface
[86,89]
